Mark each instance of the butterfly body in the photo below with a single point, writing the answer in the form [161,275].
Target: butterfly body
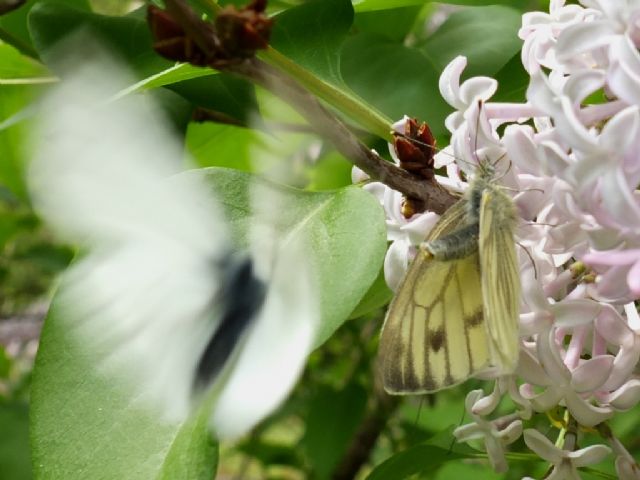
[455,313]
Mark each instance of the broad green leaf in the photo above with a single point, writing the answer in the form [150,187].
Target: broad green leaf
[347,229]
[513,81]
[179,72]
[15,66]
[130,40]
[422,458]
[307,41]
[5,363]
[471,470]
[330,171]
[333,418]
[374,5]
[108,436]
[249,150]
[524,6]
[222,93]
[312,34]
[487,36]
[14,26]
[13,99]
[269,453]
[105,435]
[377,297]
[15,463]
[396,79]
[128,37]
[393,24]
[400,80]
[371,5]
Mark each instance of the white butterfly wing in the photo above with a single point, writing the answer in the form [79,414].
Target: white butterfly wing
[144,293]
[276,347]
[279,341]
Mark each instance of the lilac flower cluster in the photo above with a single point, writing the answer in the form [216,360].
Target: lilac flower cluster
[571,157]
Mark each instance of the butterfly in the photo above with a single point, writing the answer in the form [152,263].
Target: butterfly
[456,311]
[160,292]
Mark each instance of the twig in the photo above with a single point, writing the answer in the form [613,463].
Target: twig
[366,437]
[320,118]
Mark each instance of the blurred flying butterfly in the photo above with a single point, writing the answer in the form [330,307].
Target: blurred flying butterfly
[159,290]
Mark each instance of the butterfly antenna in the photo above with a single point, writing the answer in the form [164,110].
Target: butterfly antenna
[504,174]
[453,440]
[533,263]
[419,410]
[475,140]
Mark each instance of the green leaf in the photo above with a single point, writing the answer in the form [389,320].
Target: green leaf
[128,37]
[15,66]
[15,463]
[487,36]
[311,34]
[393,24]
[179,72]
[374,5]
[421,458]
[476,471]
[513,81]
[396,79]
[5,363]
[307,41]
[223,93]
[130,40]
[14,99]
[14,26]
[400,80]
[330,171]
[217,145]
[348,235]
[333,418]
[106,435]
[371,5]
[378,296]
[269,452]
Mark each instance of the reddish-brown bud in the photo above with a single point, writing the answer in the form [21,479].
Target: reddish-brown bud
[415,149]
[170,39]
[244,31]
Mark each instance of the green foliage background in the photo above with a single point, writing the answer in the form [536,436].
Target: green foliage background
[373,61]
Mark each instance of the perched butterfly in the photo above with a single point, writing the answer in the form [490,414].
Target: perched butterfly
[159,290]
[456,311]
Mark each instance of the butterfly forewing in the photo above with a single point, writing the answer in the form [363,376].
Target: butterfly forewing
[500,277]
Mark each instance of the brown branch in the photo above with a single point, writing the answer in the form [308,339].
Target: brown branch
[325,123]
[366,437]
[330,127]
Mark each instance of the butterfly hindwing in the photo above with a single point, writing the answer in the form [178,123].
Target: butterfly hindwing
[456,311]
[434,336]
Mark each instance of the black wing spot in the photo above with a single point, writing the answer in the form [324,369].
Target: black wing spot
[241,297]
[475,319]
[436,339]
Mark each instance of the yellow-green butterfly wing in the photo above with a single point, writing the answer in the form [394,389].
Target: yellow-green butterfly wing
[455,317]
[434,336]
[500,277]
